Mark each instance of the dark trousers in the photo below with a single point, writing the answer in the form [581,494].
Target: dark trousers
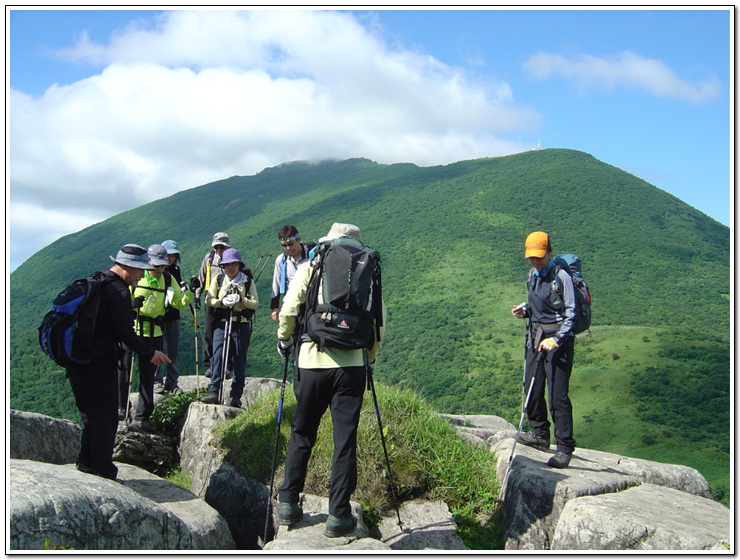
[340,390]
[553,372]
[168,374]
[95,388]
[208,321]
[147,370]
[241,333]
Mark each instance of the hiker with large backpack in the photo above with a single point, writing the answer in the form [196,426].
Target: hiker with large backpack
[153,294]
[166,378]
[95,383]
[552,311]
[338,295]
[233,297]
[209,270]
[294,254]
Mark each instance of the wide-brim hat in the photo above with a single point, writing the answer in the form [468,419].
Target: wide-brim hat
[132,255]
[341,230]
[158,255]
[221,238]
[230,256]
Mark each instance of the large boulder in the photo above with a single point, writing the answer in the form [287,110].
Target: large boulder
[41,438]
[536,494]
[241,501]
[647,517]
[86,512]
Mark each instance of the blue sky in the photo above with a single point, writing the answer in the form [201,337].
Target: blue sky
[110,109]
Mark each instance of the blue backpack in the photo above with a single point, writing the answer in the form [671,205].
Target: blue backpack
[66,334]
[572,264]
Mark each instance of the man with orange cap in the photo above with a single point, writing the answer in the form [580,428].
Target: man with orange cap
[551,309]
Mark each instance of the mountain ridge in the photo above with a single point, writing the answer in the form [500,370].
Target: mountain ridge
[451,240]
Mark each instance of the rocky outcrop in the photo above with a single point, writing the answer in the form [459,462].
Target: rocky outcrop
[40,438]
[603,501]
[646,517]
[86,512]
[240,500]
[536,497]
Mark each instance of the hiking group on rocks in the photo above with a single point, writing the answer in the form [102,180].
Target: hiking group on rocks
[331,323]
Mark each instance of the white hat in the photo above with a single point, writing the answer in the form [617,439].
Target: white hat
[341,230]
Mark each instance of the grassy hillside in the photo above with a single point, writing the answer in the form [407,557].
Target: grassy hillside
[451,239]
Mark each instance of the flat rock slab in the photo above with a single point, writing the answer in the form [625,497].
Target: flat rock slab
[86,512]
[536,494]
[647,517]
[425,525]
[308,534]
[210,530]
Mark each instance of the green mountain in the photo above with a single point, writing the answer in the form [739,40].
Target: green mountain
[651,381]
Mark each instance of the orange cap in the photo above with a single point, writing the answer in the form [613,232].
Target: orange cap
[536,245]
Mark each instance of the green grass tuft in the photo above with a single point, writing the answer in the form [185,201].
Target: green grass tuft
[428,459]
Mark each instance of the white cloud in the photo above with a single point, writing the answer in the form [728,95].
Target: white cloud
[205,95]
[626,70]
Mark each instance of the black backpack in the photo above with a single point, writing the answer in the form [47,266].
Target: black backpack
[572,264]
[67,332]
[344,296]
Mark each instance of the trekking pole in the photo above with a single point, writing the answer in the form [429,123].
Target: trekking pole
[225,355]
[371,384]
[130,382]
[195,343]
[256,267]
[263,267]
[275,447]
[540,357]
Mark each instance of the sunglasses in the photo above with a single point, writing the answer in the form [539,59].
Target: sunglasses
[220,247]
[287,243]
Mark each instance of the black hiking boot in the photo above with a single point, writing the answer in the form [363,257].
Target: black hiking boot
[142,426]
[289,514]
[535,441]
[560,460]
[210,398]
[339,526]
[236,403]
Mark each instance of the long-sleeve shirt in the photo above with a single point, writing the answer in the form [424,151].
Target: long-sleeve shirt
[115,323]
[309,355]
[283,272]
[217,291]
[552,300]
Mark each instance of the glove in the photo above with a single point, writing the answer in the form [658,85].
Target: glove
[194,283]
[137,302]
[548,344]
[183,287]
[284,346]
[231,300]
[196,303]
